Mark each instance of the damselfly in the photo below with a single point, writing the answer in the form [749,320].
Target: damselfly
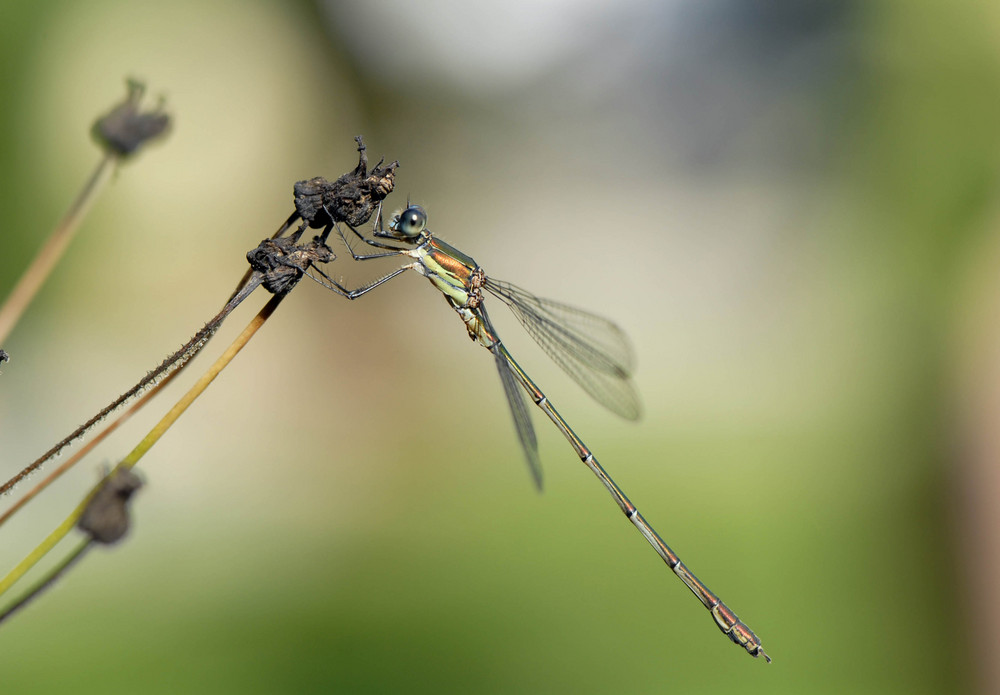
[591,349]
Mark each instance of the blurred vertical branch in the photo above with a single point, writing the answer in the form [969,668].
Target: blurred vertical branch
[976,372]
[925,173]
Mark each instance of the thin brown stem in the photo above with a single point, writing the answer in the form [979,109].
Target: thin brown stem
[33,278]
[146,444]
[87,448]
[176,361]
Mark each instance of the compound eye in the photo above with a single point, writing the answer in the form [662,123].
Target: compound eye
[411,221]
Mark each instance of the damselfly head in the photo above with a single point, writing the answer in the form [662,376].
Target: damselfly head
[408,224]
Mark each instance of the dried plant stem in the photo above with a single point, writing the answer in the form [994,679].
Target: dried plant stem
[87,448]
[172,364]
[45,546]
[146,444]
[29,283]
[47,580]
[188,398]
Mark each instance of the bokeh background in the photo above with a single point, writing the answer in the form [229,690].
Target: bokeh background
[791,207]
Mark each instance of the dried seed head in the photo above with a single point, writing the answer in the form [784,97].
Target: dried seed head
[124,130]
[106,518]
[352,198]
[282,262]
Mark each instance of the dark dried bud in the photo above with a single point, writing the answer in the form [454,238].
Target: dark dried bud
[352,198]
[124,130]
[282,263]
[106,518]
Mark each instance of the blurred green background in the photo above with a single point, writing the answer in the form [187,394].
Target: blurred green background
[792,208]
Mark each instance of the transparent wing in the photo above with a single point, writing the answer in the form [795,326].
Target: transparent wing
[591,349]
[518,407]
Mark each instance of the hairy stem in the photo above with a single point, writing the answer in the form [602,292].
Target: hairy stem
[146,444]
[173,363]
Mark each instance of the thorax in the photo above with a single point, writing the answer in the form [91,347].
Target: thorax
[455,274]
[460,279]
